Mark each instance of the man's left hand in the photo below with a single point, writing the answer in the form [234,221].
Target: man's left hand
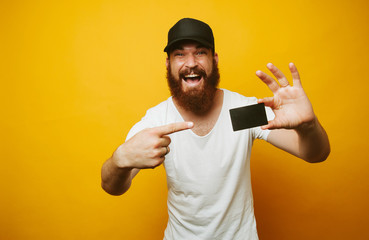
[290,104]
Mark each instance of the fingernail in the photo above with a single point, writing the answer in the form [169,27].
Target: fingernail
[190,124]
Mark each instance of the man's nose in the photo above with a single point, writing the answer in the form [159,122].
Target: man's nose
[191,61]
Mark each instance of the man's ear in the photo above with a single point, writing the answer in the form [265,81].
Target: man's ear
[216,58]
[167,62]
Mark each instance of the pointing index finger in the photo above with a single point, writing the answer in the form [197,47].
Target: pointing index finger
[174,127]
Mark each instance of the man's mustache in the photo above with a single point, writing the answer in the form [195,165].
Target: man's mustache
[196,70]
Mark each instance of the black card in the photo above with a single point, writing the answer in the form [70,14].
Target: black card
[248,116]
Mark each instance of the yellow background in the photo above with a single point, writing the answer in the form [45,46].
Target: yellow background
[76,75]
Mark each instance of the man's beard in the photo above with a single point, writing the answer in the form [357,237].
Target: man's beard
[198,101]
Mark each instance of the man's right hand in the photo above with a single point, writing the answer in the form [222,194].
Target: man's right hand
[147,149]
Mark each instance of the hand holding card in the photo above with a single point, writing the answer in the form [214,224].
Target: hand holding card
[290,104]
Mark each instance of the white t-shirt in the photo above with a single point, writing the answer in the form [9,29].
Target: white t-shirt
[208,177]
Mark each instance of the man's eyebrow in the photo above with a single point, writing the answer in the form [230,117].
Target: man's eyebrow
[178,48]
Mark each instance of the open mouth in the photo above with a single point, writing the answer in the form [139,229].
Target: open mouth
[192,79]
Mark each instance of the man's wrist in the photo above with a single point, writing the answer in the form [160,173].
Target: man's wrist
[307,127]
[120,160]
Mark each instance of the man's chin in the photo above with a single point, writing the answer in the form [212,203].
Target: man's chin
[197,99]
[191,93]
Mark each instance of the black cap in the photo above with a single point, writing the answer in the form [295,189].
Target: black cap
[190,29]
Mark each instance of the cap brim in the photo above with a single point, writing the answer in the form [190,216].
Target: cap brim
[202,41]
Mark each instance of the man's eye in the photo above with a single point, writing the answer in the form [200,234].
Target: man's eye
[178,54]
[201,53]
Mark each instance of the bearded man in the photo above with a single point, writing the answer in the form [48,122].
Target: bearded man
[207,163]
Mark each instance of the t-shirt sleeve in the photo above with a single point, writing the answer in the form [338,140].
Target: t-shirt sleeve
[154,117]
[258,133]
[141,125]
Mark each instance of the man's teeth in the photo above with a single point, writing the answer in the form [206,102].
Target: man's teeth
[192,76]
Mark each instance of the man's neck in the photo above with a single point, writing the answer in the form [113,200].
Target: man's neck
[203,123]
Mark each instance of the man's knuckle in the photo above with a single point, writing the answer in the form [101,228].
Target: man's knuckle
[151,131]
[156,142]
[155,153]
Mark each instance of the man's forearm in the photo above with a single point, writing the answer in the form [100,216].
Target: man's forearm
[309,141]
[313,142]
[115,180]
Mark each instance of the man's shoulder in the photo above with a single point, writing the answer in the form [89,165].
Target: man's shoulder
[158,113]
[236,99]
[155,116]
[160,108]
